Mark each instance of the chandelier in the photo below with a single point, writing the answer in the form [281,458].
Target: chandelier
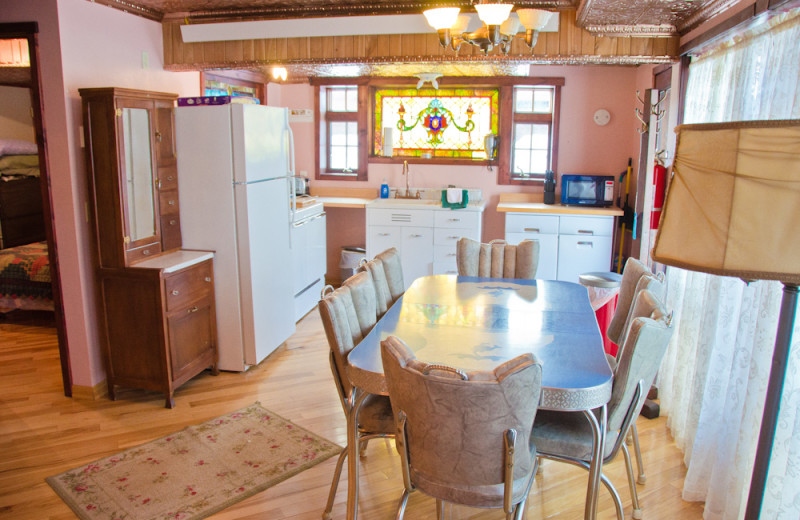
[498,31]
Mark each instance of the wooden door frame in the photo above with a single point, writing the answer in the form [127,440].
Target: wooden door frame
[30,32]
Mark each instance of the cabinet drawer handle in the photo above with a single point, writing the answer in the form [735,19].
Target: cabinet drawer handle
[158,136]
[169,178]
[451,272]
[175,292]
[452,237]
[384,234]
[173,222]
[171,203]
[590,244]
[416,236]
[531,229]
[208,279]
[451,254]
[585,232]
[454,220]
[193,309]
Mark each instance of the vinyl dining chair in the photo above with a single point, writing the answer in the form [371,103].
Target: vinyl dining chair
[636,277]
[387,275]
[567,436]
[497,259]
[348,314]
[464,437]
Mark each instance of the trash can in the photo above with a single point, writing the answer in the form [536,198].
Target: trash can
[351,257]
[603,289]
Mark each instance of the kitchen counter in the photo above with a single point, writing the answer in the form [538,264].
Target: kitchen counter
[522,203]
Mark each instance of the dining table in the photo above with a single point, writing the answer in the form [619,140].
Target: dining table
[475,323]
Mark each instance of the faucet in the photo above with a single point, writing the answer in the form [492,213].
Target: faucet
[408,190]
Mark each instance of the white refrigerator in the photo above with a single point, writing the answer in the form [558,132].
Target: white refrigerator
[234,170]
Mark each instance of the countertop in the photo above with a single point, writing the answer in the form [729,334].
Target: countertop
[174,260]
[540,207]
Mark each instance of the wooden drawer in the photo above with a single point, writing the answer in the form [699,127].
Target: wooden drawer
[20,197]
[457,219]
[168,202]
[170,232]
[189,284]
[168,178]
[527,223]
[142,252]
[400,217]
[586,226]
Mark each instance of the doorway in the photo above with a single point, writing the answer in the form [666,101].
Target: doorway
[19,68]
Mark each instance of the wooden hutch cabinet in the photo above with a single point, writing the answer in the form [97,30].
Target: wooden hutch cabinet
[156,301]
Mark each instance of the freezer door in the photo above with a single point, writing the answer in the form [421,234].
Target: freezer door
[260,147]
[265,270]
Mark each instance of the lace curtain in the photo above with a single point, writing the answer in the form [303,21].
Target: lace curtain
[714,378]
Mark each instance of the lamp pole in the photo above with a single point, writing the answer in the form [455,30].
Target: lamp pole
[780,357]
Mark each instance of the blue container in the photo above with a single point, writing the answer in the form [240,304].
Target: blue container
[384,190]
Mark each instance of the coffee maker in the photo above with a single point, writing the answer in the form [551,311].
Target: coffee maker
[549,187]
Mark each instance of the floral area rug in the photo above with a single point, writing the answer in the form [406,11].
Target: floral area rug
[195,472]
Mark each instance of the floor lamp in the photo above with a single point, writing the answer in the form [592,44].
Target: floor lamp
[732,209]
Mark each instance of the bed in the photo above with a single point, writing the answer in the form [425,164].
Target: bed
[25,278]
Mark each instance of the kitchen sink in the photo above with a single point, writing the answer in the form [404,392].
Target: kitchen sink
[405,202]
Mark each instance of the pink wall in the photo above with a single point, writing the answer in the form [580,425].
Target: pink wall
[584,147]
[84,44]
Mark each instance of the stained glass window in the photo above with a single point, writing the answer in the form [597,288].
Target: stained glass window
[436,123]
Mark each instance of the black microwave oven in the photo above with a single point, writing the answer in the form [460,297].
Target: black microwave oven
[587,190]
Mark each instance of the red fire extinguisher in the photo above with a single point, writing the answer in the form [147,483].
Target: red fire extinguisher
[659,187]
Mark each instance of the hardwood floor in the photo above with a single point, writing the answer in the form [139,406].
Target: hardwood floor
[43,433]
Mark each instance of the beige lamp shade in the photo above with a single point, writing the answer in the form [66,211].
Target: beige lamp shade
[733,204]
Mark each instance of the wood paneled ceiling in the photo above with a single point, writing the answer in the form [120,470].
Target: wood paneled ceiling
[602,32]
[612,17]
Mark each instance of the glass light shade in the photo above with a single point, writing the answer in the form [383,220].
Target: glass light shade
[462,22]
[493,14]
[442,17]
[279,73]
[534,19]
[510,26]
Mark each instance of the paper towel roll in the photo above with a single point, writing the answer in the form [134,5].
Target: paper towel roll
[388,145]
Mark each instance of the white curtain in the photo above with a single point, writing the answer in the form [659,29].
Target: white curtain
[714,378]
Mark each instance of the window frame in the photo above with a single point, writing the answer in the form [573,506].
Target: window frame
[510,117]
[365,115]
[323,118]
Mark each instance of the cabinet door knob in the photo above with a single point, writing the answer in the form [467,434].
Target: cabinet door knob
[171,203]
[175,292]
[193,309]
[158,136]
[173,222]
[146,252]
[169,178]
[208,279]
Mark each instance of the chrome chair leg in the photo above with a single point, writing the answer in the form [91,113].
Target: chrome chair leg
[641,479]
[637,510]
[362,448]
[439,509]
[337,474]
[401,508]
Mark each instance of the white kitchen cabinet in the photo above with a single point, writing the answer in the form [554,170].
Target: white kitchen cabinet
[544,229]
[425,238]
[569,245]
[309,261]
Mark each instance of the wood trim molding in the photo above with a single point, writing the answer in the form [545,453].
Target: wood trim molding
[90,393]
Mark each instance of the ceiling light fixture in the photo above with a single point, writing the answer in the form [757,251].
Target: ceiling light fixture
[499,29]
[279,73]
[426,77]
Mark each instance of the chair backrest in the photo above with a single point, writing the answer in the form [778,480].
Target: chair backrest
[363,293]
[641,354]
[454,427]
[346,314]
[498,259]
[383,295]
[393,269]
[634,270]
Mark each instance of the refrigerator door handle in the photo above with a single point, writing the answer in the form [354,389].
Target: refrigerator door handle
[290,180]
[291,151]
